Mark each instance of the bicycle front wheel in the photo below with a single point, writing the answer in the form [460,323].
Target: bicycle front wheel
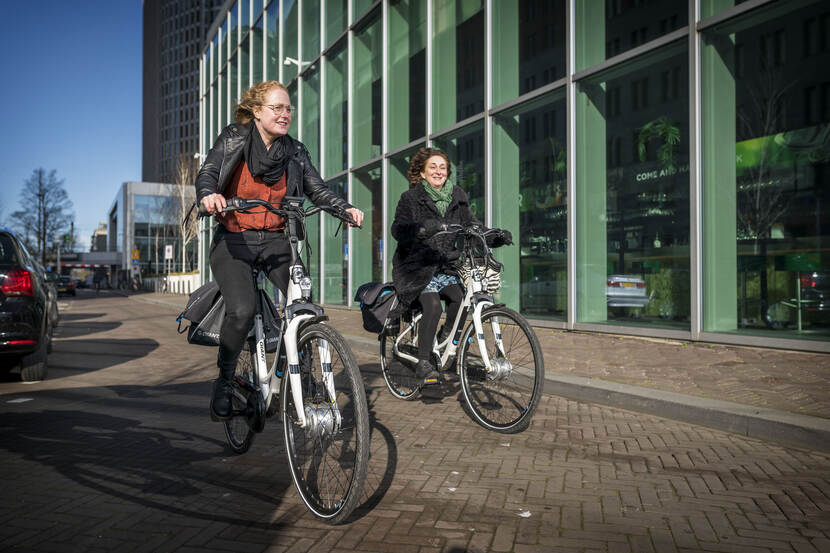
[237,430]
[328,456]
[503,396]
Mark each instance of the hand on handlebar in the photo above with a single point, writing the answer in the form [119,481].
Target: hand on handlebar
[357,216]
[213,204]
[430,227]
[504,238]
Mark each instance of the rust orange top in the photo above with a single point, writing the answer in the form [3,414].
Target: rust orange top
[245,185]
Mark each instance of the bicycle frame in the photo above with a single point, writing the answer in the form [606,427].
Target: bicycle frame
[299,310]
[476,297]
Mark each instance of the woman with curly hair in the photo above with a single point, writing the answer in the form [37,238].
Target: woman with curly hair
[423,265]
[253,158]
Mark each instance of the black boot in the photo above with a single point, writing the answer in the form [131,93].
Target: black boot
[425,371]
[221,406]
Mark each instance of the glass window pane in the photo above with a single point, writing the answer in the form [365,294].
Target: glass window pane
[465,149]
[528,46]
[290,44]
[336,109]
[407,71]
[244,17]
[458,61]
[367,242]
[530,164]
[367,91]
[360,7]
[311,29]
[336,254]
[606,29]
[311,114]
[258,5]
[712,7]
[233,90]
[272,35]
[397,184]
[223,37]
[233,41]
[335,19]
[256,52]
[766,168]
[245,63]
[633,194]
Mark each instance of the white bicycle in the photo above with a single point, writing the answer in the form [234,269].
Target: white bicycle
[499,359]
[322,402]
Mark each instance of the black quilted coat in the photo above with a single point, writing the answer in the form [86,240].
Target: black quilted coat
[417,260]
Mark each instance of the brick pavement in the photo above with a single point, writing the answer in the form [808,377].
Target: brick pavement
[115,451]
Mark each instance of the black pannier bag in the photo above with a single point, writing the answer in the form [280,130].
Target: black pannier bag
[376,301]
[206,310]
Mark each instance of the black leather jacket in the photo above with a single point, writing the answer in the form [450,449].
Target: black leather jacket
[228,150]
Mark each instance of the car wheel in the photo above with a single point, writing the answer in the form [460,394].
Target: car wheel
[33,366]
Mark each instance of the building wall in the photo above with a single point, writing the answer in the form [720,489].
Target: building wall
[663,165]
[173,36]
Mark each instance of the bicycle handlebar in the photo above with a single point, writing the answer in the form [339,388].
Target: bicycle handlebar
[288,205]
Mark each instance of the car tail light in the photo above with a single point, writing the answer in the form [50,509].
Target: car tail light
[641,285]
[614,283]
[18,282]
[808,281]
[21,342]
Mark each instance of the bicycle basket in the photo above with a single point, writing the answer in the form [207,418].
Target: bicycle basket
[486,270]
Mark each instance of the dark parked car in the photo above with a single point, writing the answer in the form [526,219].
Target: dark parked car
[66,285]
[27,310]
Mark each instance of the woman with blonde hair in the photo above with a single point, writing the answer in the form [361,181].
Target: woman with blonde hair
[254,158]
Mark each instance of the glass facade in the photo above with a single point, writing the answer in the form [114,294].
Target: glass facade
[663,173]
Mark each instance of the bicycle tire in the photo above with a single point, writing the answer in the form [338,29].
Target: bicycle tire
[237,430]
[399,374]
[313,455]
[503,402]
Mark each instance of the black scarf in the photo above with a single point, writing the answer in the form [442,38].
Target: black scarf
[266,163]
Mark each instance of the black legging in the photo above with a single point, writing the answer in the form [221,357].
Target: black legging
[431,308]
[232,256]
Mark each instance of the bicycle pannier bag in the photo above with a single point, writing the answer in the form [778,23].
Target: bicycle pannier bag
[205,310]
[376,301]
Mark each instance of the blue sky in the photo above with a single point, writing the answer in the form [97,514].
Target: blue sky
[71,101]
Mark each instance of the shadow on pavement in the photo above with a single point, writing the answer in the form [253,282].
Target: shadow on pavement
[383,462]
[69,329]
[155,466]
[70,317]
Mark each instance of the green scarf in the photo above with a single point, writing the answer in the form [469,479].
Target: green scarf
[442,198]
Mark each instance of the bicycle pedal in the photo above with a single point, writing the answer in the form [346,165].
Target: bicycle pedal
[430,381]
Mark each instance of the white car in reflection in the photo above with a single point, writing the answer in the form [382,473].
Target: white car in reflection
[626,291]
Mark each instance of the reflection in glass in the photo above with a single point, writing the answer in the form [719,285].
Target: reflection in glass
[606,29]
[767,165]
[367,243]
[291,39]
[336,110]
[640,112]
[256,52]
[335,266]
[407,71]
[335,19]
[311,29]
[272,32]
[245,63]
[529,46]
[465,148]
[367,90]
[311,114]
[458,61]
[530,164]
[155,226]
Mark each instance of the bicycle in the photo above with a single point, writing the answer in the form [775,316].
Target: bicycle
[500,361]
[322,402]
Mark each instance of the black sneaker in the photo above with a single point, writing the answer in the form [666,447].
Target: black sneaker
[425,371]
[221,405]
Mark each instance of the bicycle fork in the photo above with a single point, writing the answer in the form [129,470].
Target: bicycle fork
[295,376]
[496,368]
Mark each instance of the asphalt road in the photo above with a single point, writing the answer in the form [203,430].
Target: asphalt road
[115,451]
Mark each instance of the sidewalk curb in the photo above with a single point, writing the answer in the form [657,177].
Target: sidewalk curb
[785,428]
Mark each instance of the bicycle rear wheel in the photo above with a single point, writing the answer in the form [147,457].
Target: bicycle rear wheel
[237,430]
[329,457]
[399,373]
[504,397]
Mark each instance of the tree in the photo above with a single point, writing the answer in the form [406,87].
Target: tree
[186,170]
[46,211]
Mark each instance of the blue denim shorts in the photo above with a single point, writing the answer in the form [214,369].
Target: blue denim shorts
[440,281]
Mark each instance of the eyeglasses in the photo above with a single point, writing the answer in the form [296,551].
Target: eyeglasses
[279,109]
